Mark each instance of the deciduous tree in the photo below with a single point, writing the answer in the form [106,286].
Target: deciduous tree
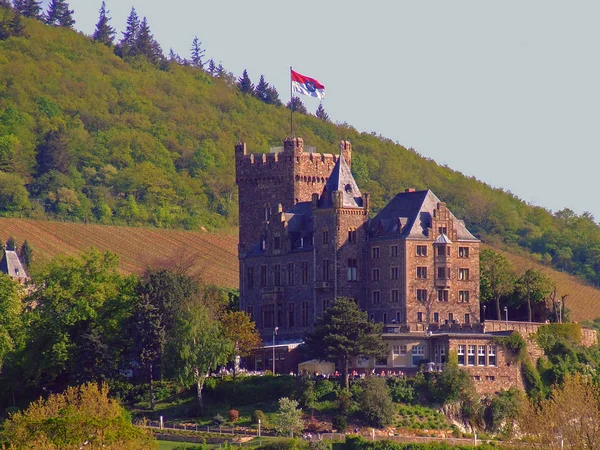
[241,331]
[533,287]
[345,332]
[289,417]
[497,278]
[26,254]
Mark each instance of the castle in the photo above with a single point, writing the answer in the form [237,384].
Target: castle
[306,237]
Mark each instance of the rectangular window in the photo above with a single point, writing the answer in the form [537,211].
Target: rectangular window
[305,272]
[450,317]
[471,355]
[491,355]
[290,274]
[403,349]
[463,274]
[250,311]
[421,250]
[443,250]
[463,252]
[394,273]
[276,242]
[375,297]
[422,295]
[263,276]
[395,296]
[490,378]
[325,237]
[384,318]
[463,296]
[268,316]
[375,275]
[304,314]
[418,353]
[443,273]
[352,269]
[421,273]
[396,350]
[481,355]
[375,252]
[436,317]
[461,355]
[394,250]
[277,275]
[249,277]
[476,377]
[291,315]
[352,236]
[419,317]
[325,270]
[467,318]
[443,230]
[442,295]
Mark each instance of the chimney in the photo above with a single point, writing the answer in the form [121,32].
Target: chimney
[409,190]
[346,151]
[293,145]
[366,201]
[315,200]
[240,148]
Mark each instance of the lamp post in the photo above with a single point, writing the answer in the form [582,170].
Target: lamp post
[484,308]
[274,333]
[506,314]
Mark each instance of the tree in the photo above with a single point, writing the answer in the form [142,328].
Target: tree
[570,415]
[130,35]
[212,68]
[262,90]
[345,332]
[16,26]
[321,114]
[244,84]
[80,417]
[11,244]
[241,331]
[497,278]
[289,417]
[375,402]
[533,287]
[146,45]
[200,346]
[26,254]
[296,105]
[104,32]
[59,14]
[197,53]
[10,316]
[29,8]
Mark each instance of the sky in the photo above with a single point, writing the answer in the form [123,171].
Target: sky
[508,92]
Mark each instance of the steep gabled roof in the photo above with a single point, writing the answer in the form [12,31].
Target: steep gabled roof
[11,265]
[408,215]
[443,239]
[341,179]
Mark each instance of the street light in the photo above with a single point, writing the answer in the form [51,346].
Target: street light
[274,333]
[506,313]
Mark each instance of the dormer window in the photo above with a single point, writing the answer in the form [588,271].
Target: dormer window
[348,188]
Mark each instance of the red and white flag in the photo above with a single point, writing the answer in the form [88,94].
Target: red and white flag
[307,86]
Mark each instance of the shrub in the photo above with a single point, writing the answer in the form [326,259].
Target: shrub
[285,444]
[375,402]
[402,390]
[218,420]
[505,406]
[250,390]
[340,423]
[325,388]
[450,384]
[259,415]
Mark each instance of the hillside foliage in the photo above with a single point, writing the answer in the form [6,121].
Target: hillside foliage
[88,136]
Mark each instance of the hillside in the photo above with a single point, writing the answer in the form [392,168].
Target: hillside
[213,256]
[87,136]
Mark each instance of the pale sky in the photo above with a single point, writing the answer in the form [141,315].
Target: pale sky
[505,91]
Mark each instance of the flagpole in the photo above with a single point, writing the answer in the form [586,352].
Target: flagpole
[291,106]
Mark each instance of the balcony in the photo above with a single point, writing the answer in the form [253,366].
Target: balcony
[442,282]
[272,290]
[324,285]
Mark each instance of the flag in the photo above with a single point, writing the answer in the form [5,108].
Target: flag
[307,86]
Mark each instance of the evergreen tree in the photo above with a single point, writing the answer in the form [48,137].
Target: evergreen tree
[296,105]
[16,26]
[174,57]
[273,96]
[197,53]
[104,32]
[212,68]
[26,254]
[29,8]
[221,72]
[5,4]
[146,45]
[132,29]
[261,89]
[321,114]
[11,244]
[59,14]
[245,85]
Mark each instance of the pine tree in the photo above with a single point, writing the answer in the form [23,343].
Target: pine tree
[104,32]
[146,45]
[29,8]
[296,105]
[245,85]
[273,96]
[132,29]
[197,53]
[221,72]
[261,90]
[11,244]
[174,57]
[321,114]
[5,4]
[59,14]
[26,254]
[212,68]
[16,26]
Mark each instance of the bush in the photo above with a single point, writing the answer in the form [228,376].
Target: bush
[325,389]
[340,423]
[285,444]
[250,390]
[259,415]
[233,415]
[218,420]
[450,385]
[402,390]
[375,402]
[505,406]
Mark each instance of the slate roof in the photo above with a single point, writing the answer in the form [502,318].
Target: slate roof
[408,215]
[341,179]
[11,265]
[443,239]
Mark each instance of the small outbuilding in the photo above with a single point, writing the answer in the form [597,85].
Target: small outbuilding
[314,365]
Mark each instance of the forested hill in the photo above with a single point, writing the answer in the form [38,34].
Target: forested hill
[88,136]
